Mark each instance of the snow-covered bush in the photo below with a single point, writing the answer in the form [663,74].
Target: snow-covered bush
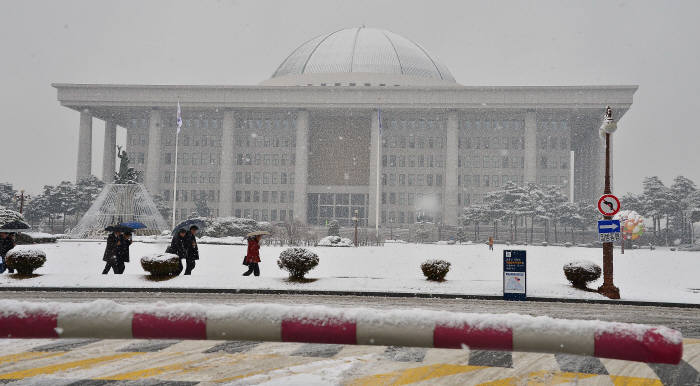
[35,238]
[231,226]
[333,228]
[581,272]
[435,270]
[25,260]
[9,215]
[161,264]
[334,241]
[297,261]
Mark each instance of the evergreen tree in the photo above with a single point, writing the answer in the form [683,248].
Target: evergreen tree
[201,208]
[86,191]
[7,195]
[163,207]
[333,228]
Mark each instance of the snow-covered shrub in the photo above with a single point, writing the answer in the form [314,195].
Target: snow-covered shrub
[568,244]
[231,226]
[161,264]
[35,238]
[25,260]
[297,261]
[435,270]
[581,272]
[335,241]
[333,228]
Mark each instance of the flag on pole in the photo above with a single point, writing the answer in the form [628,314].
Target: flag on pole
[179,117]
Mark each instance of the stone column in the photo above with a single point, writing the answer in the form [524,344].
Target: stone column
[110,150]
[301,166]
[375,153]
[530,172]
[227,161]
[450,206]
[84,166]
[152,179]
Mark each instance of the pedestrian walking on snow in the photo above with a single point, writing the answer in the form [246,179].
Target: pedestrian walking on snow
[252,258]
[7,242]
[123,251]
[490,243]
[110,256]
[191,249]
[177,246]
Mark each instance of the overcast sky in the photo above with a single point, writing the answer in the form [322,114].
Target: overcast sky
[651,44]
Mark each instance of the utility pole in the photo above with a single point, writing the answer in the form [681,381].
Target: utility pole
[21,197]
[608,288]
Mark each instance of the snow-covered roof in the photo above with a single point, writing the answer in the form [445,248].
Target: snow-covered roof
[353,54]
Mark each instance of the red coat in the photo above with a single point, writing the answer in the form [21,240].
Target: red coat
[253,255]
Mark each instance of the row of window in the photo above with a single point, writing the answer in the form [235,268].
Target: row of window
[491,162]
[552,125]
[288,122]
[553,180]
[552,142]
[477,180]
[273,197]
[550,162]
[409,217]
[193,177]
[184,159]
[412,161]
[411,199]
[275,159]
[392,179]
[265,214]
[506,143]
[195,140]
[254,140]
[193,195]
[265,178]
[413,142]
[415,124]
[486,124]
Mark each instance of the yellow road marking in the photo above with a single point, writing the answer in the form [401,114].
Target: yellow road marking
[691,341]
[543,377]
[82,364]
[28,355]
[153,371]
[619,380]
[415,374]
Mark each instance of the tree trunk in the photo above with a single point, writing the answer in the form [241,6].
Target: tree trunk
[495,230]
[532,229]
[667,230]
[556,234]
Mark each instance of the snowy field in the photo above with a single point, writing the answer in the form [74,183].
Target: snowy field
[660,275]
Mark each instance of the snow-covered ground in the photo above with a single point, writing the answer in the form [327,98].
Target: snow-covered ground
[659,275]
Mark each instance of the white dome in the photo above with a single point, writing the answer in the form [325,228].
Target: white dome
[361,53]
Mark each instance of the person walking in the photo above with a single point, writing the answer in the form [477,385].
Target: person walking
[7,242]
[252,258]
[490,243]
[177,246]
[110,256]
[191,249]
[123,252]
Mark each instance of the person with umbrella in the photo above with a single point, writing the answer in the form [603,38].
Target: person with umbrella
[177,246]
[123,251]
[191,249]
[7,242]
[114,252]
[252,258]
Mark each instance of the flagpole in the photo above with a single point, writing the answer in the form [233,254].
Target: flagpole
[379,149]
[177,136]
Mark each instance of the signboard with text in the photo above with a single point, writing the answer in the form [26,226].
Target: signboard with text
[514,275]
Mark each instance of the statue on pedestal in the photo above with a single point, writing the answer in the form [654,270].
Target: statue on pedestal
[126,174]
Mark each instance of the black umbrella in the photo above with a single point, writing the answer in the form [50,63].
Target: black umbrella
[14,226]
[118,228]
[188,223]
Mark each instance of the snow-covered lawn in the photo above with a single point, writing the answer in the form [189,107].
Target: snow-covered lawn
[659,275]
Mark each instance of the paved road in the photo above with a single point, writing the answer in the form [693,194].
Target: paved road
[141,362]
[686,320]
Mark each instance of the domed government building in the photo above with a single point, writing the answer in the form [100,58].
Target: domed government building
[359,121]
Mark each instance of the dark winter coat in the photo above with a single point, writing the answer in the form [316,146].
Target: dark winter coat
[6,244]
[111,248]
[253,255]
[192,251]
[177,246]
[123,249]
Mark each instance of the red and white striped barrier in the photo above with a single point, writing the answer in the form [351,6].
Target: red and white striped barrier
[316,324]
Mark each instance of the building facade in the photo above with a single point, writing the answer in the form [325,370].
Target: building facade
[359,122]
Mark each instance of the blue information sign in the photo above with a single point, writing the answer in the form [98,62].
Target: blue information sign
[608,226]
[514,275]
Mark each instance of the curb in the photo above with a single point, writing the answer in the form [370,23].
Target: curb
[363,326]
[249,291]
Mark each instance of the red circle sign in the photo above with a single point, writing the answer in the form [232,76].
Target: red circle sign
[608,205]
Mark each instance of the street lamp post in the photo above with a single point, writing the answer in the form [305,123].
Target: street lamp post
[608,288]
[21,197]
[355,220]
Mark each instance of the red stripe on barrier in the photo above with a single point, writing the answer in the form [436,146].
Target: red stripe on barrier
[652,348]
[41,325]
[319,331]
[149,326]
[445,336]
